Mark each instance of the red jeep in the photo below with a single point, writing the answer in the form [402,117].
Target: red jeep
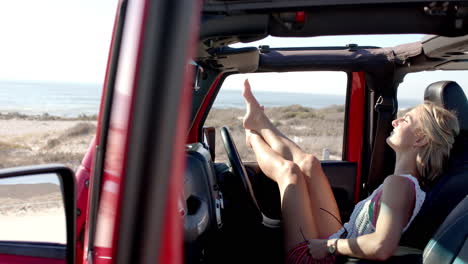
[150,189]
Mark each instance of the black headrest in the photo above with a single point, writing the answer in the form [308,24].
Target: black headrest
[449,95]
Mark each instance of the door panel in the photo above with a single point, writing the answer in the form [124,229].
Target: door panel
[27,253]
[342,177]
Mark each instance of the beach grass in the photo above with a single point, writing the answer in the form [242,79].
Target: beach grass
[32,140]
[45,117]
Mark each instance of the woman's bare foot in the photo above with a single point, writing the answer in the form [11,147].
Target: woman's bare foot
[254,116]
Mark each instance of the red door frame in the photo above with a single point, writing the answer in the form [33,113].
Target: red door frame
[355,126]
[118,134]
[118,143]
[194,135]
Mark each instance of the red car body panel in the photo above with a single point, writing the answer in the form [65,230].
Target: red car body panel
[82,193]
[118,134]
[355,126]
[8,259]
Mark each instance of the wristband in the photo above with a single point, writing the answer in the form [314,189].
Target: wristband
[332,249]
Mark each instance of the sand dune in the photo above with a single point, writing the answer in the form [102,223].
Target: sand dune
[35,141]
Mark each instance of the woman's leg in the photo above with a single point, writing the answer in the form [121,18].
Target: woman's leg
[256,120]
[320,193]
[295,203]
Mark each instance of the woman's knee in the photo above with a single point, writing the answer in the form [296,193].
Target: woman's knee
[289,172]
[309,163]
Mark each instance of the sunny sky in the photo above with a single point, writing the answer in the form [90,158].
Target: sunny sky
[33,179]
[55,40]
[68,41]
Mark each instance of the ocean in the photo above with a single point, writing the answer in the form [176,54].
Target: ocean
[58,99]
[74,99]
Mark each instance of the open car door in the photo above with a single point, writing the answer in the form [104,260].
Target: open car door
[133,216]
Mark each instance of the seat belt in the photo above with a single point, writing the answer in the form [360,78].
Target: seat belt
[385,108]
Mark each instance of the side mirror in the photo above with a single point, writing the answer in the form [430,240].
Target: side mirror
[37,213]
[210,140]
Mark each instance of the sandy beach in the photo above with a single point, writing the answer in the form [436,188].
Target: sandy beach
[29,141]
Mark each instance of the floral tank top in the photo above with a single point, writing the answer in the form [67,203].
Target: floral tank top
[364,216]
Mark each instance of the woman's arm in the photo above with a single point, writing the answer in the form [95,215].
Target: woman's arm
[396,208]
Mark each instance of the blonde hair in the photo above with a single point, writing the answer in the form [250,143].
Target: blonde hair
[440,127]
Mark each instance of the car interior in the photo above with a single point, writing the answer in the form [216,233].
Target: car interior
[232,211]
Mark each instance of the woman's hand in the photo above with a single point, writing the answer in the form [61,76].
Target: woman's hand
[318,248]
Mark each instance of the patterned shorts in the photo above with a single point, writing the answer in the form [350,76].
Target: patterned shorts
[300,255]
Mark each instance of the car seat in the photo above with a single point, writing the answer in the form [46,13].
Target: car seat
[449,244]
[452,187]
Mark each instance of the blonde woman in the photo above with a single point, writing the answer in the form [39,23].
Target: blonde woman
[421,139]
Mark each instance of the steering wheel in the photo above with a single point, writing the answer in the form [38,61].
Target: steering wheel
[238,169]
